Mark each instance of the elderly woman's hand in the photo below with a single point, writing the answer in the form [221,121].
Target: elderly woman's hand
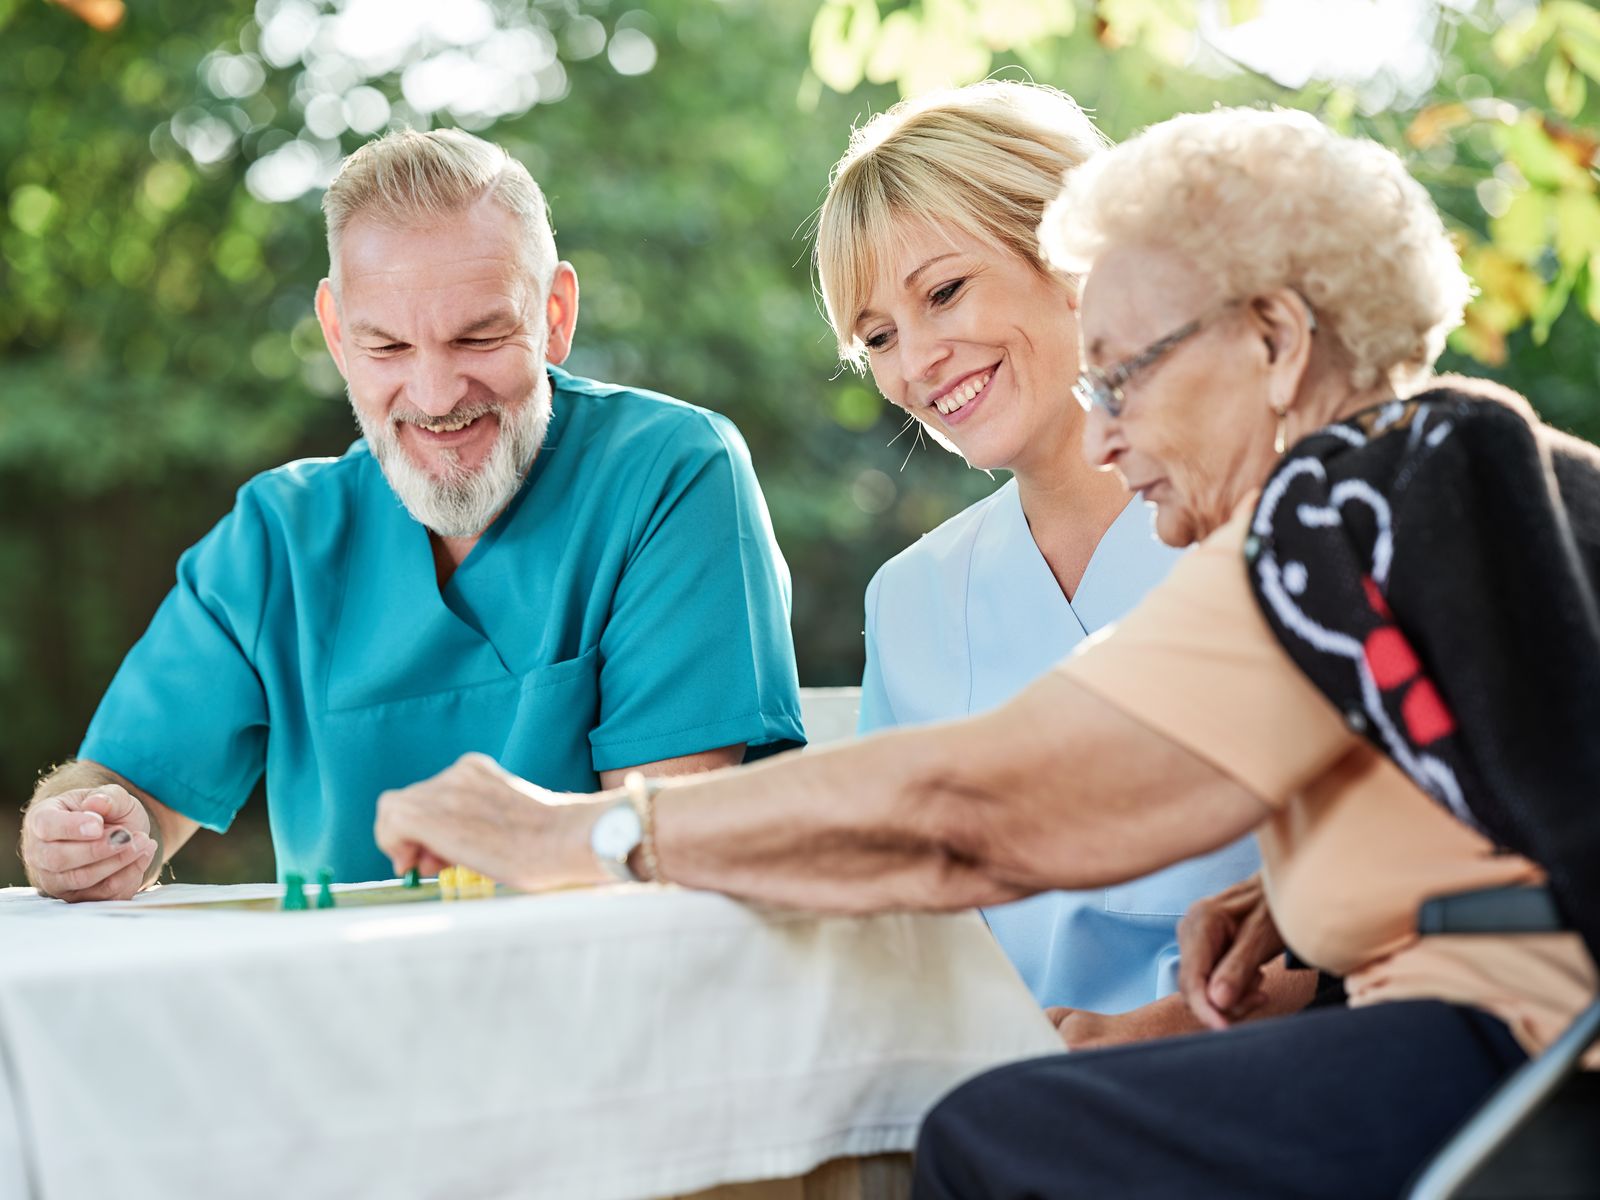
[1223,942]
[478,815]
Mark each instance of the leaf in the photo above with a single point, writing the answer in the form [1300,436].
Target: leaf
[1484,344]
[944,61]
[1584,51]
[1339,108]
[809,93]
[1240,11]
[1529,147]
[898,40]
[1575,17]
[100,15]
[1522,232]
[1520,38]
[1577,227]
[1430,126]
[1555,300]
[1007,24]
[1507,289]
[842,35]
[1591,290]
[948,52]
[1564,86]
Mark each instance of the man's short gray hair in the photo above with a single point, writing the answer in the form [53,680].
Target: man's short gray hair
[407,178]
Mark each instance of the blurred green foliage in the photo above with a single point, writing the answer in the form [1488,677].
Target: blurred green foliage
[1503,128]
[160,242]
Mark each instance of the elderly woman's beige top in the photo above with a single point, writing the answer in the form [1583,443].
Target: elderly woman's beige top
[1352,846]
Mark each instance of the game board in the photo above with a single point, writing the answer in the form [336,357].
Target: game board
[453,884]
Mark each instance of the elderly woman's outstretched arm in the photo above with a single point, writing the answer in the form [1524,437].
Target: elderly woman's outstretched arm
[1058,789]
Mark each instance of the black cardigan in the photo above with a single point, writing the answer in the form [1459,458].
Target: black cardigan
[1432,566]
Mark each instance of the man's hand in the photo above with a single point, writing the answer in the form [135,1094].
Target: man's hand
[478,815]
[1223,943]
[89,843]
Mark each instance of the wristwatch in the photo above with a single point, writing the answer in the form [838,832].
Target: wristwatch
[615,835]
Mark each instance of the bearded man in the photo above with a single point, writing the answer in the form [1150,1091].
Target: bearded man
[576,579]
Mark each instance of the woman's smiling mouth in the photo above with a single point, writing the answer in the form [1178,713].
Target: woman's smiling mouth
[954,404]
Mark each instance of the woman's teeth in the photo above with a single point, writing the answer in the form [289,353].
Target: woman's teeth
[956,400]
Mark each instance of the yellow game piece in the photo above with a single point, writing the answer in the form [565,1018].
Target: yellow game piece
[449,883]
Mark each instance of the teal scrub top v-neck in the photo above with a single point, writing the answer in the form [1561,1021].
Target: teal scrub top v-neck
[630,605]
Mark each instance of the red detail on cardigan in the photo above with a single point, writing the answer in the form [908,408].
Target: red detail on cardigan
[1375,598]
[1427,717]
[1390,657]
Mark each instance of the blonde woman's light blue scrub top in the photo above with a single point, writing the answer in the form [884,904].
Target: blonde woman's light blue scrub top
[630,605]
[959,623]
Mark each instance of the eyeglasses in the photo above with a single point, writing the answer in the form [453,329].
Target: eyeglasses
[1102,387]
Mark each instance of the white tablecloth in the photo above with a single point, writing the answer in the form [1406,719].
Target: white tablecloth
[611,1044]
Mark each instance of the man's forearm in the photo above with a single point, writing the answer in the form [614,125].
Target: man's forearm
[82,774]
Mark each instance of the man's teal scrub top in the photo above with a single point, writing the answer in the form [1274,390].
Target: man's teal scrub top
[630,605]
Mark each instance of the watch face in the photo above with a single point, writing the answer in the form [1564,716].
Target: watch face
[617,832]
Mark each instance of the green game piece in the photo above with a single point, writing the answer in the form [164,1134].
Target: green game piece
[413,878]
[325,888]
[294,892]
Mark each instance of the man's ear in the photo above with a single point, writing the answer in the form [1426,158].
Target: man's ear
[561,313]
[328,318]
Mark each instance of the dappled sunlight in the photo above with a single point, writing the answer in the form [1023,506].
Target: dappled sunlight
[465,63]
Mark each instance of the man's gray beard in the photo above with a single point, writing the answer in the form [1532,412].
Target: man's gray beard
[464,503]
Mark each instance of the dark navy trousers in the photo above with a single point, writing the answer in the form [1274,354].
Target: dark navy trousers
[1340,1103]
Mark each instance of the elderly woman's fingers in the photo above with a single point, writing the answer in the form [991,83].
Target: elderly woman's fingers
[1237,973]
[438,822]
[1203,937]
[429,863]
[1222,942]
[398,828]
[1255,944]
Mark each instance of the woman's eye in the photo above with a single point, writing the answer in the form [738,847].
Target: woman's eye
[876,341]
[947,293]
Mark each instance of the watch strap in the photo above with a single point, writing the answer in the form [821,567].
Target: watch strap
[641,793]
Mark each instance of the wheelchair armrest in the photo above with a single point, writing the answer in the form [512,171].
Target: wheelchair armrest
[1491,910]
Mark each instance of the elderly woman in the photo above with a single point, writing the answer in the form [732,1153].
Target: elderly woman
[928,257]
[1338,665]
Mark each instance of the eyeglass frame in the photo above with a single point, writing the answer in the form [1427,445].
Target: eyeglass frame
[1097,387]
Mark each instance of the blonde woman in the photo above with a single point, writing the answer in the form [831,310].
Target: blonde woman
[927,253]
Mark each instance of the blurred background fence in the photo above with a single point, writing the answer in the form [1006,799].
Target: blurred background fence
[161,164]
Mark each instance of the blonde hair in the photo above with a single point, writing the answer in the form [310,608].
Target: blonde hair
[1259,200]
[984,159]
[407,178]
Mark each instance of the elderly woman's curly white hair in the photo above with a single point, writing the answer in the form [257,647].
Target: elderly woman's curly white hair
[1259,200]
